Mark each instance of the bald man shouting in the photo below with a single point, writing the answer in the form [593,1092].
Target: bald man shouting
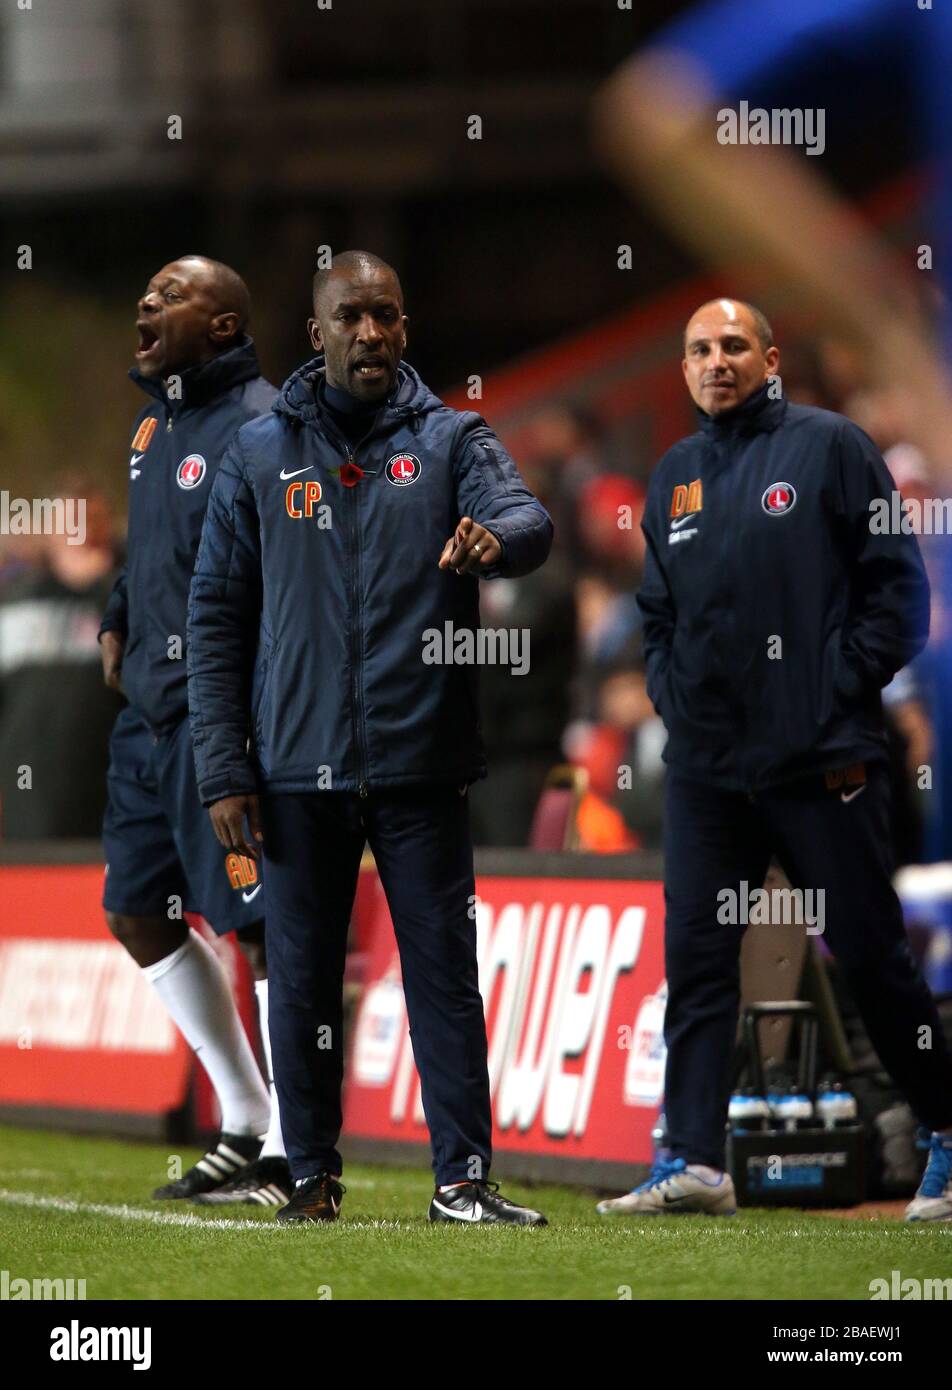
[199,369]
[774,613]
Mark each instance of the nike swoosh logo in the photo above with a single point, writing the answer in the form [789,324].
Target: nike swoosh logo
[285,474]
[670,1201]
[690,517]
[135,459]
[246,897]
[475,1213]
[846,797]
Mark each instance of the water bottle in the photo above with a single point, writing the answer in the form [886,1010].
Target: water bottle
[792,1110]
[748,1112]
[835,1105]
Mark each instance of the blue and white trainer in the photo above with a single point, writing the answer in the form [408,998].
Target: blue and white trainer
[674,1186]
[933,1201]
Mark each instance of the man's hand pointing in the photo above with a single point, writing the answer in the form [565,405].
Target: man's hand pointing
[471,548]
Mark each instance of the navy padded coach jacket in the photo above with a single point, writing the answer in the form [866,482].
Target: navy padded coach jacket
[177,445]
[758,527]
[310,599]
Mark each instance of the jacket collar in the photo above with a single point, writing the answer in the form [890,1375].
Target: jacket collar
[301,398]
[202,384]
[759,414]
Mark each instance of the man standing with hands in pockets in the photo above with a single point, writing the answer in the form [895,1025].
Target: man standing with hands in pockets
[775,610]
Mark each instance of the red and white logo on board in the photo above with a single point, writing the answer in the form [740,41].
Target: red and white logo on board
[191,471]
[403,469]
[779,498]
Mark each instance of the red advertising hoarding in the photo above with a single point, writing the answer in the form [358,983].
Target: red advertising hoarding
[80,1025]
[572,976]
[571,971]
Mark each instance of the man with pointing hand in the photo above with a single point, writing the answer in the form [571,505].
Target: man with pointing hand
[341,528]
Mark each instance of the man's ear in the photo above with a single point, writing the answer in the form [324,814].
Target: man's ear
[772,359]
[314,333]
[223,327]
[405,323]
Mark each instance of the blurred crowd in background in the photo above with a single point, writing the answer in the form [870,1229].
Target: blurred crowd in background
[583,701]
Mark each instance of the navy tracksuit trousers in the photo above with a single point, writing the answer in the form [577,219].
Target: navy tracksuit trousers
[421,842]
[830,838]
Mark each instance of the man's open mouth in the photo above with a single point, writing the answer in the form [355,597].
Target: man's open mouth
[148,339]
[370,368]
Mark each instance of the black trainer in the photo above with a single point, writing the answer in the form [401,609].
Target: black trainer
[314,1199]
[481,1202]
[224,1161]
[265,1183]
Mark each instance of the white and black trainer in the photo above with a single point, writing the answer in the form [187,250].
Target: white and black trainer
[475,1203]
[265,1183]
[224,1161]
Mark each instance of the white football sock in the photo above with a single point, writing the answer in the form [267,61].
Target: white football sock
[193,987]
[273,1145]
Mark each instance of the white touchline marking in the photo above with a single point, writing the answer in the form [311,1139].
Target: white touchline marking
[126,1213]
[169,1218]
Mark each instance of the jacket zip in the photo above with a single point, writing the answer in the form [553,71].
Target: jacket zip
[493,460]
[357,712]
[727,561]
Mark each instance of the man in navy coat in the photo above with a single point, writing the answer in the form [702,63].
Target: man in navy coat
[777,604]
[341,556]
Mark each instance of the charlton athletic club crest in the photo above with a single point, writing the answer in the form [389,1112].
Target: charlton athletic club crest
[403,469]
[779,498]
[191,471]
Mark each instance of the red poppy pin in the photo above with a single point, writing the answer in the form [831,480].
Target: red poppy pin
[350,473]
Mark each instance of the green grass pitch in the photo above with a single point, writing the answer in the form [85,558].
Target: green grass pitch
[79,1208]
